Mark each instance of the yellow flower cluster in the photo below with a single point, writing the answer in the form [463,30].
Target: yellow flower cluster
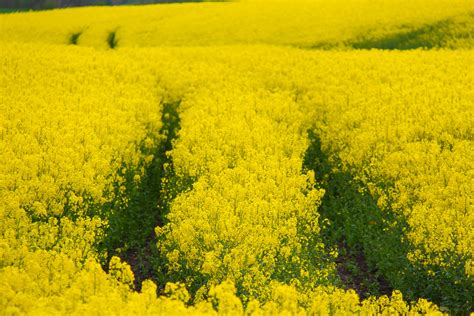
[301,23]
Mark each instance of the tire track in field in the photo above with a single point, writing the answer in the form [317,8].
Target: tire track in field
[354,270]
[130,234]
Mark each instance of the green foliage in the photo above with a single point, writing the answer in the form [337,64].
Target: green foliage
[112,39]
[74,38]
[139,202]
[457,32]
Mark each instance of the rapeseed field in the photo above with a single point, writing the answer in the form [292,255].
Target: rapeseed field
[249,157]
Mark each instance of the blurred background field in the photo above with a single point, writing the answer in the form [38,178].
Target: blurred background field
[305,24]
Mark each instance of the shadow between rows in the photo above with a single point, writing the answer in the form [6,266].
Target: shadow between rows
[441,34]
[142,206]
[449,33]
